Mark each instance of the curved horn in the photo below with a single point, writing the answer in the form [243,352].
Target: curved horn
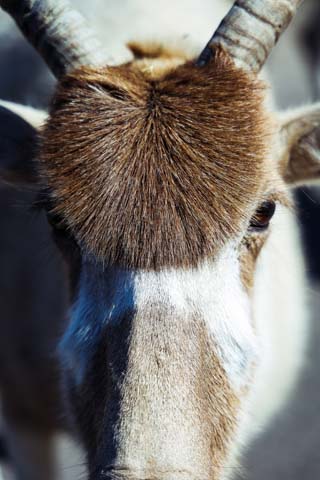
[250,31]
[59,33]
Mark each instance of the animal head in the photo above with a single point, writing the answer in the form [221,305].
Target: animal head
[160,179]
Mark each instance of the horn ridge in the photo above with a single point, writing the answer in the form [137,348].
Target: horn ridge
[250,30]
[59,33]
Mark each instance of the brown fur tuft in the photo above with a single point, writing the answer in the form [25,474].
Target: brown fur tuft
[158,172]
[142,51]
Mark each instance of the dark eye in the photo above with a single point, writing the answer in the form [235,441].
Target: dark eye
[55,220]
[67,246]
[261,219]
[61,234]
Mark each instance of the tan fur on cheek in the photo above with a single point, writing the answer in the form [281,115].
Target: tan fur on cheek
[150,173]
[250,250]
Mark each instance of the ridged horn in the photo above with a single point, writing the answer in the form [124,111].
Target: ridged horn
[58,32]
[250,30]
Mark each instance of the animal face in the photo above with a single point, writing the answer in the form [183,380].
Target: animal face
[165,183]
[157,366]
[161,178]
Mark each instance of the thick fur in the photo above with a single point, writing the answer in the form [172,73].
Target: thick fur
[170,167]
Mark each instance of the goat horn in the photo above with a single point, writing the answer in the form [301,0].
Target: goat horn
[250,30]
[59,33]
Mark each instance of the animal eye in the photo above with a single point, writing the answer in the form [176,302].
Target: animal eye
[63,237]
[261,219]
[55,221]
[60,232]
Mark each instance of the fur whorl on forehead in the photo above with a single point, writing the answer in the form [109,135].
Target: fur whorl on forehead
[151,172]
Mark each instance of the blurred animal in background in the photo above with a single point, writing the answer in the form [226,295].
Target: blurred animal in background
[167,184]
[311,40]
[28,370]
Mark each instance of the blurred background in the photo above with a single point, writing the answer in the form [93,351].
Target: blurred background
[33,299]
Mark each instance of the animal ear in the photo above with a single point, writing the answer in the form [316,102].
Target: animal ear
[18,139]
[300,146]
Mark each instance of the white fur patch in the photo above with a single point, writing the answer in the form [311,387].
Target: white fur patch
[214,292]
[281,317]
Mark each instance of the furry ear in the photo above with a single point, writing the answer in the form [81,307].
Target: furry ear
[300,143]
[18,140]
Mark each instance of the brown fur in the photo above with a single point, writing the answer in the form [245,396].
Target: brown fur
[156,50]
[152,173]
[155,59]
[251,247]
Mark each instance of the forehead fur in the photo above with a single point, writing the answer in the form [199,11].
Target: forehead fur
[156,170]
